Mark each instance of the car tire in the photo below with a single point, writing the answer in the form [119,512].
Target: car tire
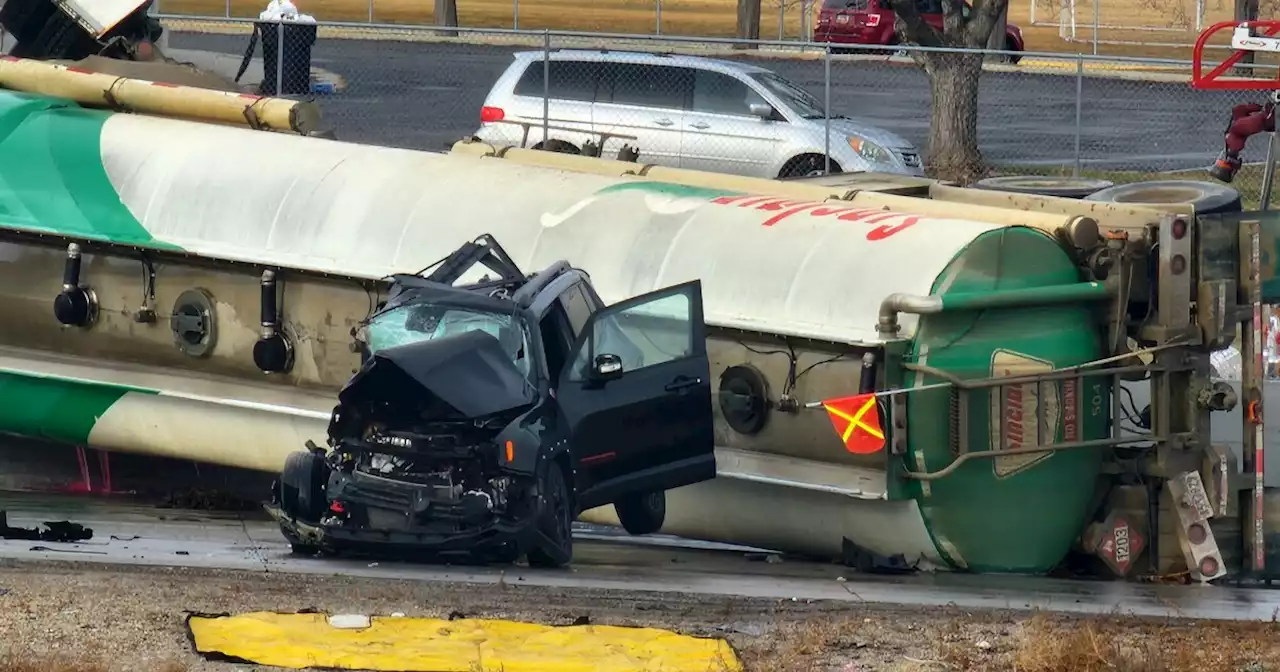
[302,484]
[808,166]
[642,513]
[552,546]
[1207,197]
[1011,59]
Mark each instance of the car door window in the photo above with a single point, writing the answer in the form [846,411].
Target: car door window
[659,86]
[554,342]
[642,334]
[929,6]
[576,308]
[570,80]
[717,93]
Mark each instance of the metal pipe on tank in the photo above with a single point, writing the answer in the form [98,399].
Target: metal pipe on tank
[1012,298]
[94,89]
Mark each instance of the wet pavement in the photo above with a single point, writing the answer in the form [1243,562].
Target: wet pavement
[134,534]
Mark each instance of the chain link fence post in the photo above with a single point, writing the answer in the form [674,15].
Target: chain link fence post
[515,14]
[546,86]
[658,17]
[280,57]
[1075,171]
[370,11]
[826,110]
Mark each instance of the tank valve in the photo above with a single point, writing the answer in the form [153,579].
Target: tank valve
[1218,396]
[273,353]
[75,306]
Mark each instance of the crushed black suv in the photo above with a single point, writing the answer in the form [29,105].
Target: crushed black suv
[486,416]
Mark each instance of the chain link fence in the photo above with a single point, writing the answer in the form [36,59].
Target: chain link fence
[769,108]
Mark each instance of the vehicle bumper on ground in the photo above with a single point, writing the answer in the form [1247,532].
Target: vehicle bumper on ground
[490,537]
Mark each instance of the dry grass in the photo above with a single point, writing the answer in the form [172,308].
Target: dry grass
[716,18]
[51,663]
[1041,643]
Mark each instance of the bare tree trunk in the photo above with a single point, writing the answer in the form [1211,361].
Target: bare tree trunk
[995,42]
[1246,10]
[447,15]
[748,22]
[953,130]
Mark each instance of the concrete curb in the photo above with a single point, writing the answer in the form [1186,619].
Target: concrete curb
[1031,65]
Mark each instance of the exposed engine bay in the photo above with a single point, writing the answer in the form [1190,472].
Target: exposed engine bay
[417,475]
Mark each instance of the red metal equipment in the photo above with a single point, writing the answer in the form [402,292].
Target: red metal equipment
[1250,118]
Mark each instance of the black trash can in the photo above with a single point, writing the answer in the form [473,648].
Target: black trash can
[295,75]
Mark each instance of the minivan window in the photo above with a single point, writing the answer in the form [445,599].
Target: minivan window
[844,4]
[793,96]
[661,86]
[929,6]
[570,80]
[717,93]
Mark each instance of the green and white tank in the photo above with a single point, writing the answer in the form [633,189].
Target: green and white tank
[771,268]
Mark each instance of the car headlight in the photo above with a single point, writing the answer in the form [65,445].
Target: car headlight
[869,150]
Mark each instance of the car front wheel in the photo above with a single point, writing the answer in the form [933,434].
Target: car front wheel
[553,543]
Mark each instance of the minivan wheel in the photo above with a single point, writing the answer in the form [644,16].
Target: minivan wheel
[642,513]
[808,166]
[553,542]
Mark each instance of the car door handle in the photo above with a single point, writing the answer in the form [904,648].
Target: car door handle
[700,125]
[663,122]
[682,383]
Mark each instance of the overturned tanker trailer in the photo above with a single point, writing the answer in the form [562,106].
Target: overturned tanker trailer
[159,298]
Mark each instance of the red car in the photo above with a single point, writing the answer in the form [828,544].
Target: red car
[871,22]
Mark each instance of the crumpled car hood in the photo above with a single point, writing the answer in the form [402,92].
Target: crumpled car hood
[469,372]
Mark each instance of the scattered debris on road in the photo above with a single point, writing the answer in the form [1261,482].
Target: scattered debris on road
[60,531]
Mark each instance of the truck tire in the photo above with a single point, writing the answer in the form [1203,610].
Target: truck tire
[642,513]
[1207,197]
[1063,187]
[302,484]
[553,542]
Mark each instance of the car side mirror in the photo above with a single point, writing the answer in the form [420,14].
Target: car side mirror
[762,110]
[607,367]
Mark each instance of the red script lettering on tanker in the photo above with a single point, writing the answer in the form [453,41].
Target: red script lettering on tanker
[888,223]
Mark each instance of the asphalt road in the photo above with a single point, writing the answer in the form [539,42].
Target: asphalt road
[139,535]
[426,96]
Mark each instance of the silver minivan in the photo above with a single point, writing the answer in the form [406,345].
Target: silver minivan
[684,112]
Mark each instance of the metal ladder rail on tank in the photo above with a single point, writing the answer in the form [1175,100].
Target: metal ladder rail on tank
[1250,37]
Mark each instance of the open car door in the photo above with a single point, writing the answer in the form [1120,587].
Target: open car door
[636,397]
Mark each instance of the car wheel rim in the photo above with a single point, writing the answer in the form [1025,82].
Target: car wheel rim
[654,501]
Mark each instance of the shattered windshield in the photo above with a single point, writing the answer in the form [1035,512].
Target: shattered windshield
[428,321]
